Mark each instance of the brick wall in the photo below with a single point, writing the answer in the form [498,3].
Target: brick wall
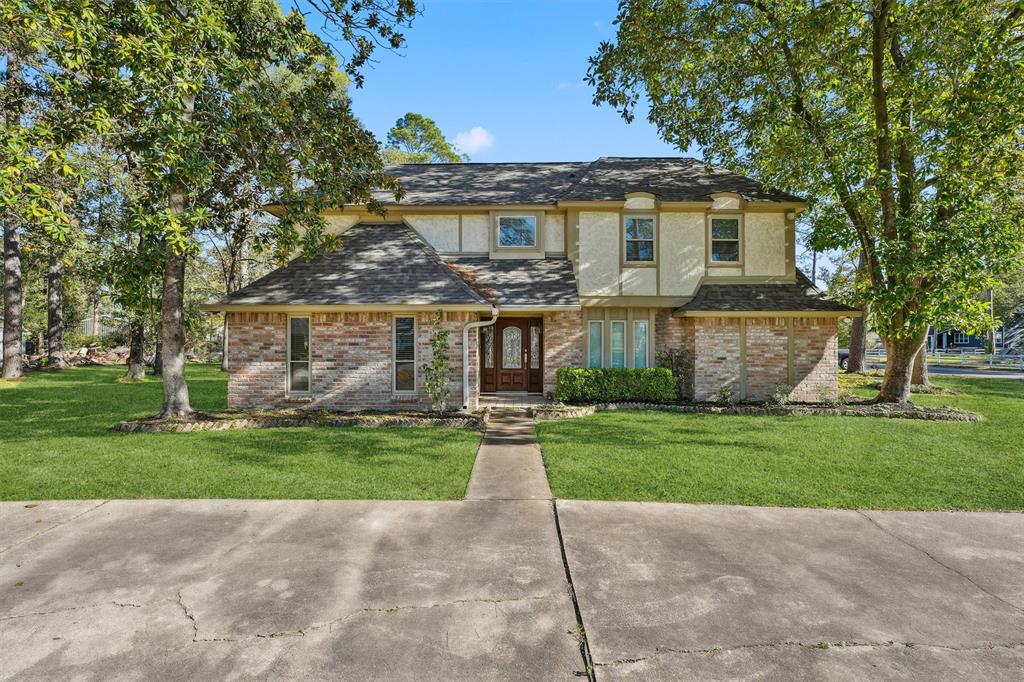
[564,344]
[716,361]
[816,375]
[767,356]
[351,357]
[673,334]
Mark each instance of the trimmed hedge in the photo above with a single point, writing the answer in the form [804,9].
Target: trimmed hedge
[605,384]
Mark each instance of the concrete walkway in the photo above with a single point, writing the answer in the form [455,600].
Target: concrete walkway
[509,465]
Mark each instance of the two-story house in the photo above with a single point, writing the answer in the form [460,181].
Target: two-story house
[537,266]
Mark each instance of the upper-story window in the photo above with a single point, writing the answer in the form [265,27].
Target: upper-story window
[517,231]
[725,240]
[639,233]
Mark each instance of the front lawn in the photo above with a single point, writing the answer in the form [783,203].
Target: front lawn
[54,444]
[845,462]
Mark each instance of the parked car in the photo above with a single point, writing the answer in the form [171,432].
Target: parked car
[844,358]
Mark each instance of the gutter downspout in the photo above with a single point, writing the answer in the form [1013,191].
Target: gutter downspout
[465,351]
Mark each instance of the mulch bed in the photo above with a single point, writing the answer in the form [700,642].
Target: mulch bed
[865,409]
[230,421]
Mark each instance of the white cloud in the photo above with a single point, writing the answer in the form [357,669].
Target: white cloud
[474,140]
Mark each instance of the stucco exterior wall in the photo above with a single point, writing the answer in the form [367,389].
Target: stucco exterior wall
[764,248]
[475,235]
[639,281]
[351,361]
[680,252]
[599,253]
[440,231]
[337,224]
[554,233]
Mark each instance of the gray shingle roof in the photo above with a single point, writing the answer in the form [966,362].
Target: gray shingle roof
[537,282]
[385,264]
[606,179]
[484,183]
[802,296]
[670,179]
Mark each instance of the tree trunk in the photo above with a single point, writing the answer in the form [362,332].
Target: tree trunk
[137,350]
[172,337]
[13,293]
[224,345]
[172,305]
[857,362]
[13,300]
[919,377]
[55,313]
[899,366]
[158,355]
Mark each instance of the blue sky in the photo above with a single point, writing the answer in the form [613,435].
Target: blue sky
[512,70]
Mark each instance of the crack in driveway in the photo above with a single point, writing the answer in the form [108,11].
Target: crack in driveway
[56,525]
[931,556]
[821,645]
[329,624]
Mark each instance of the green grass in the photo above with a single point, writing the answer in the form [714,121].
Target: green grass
[54,445]
[839,462]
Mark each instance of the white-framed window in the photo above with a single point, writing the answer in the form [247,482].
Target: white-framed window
[640,344]
[618,339]
[961,339]
[299,369]
[639,239]
[517,232]
[404,352]
[595,343]
[725,239]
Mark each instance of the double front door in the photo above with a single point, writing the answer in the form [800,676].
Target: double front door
[511,355]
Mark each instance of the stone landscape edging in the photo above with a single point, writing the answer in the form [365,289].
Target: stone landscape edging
[361,421]
[877,410]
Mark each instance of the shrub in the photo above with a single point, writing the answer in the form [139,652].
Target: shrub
[436,372]
[680,362]
[653,384]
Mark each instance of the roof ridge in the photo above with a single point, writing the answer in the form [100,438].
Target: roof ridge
[435,258]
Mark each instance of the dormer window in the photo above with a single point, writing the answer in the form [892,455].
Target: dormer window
[517,231]
[639,238]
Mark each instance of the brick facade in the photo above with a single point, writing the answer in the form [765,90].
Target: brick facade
[716,358]
[672,334]
[351,361]
[564,345]
[767,356]
[714,347]
[352,357]
[816,376]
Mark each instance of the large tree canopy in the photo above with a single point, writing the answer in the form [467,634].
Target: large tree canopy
[902,121]
[416,139]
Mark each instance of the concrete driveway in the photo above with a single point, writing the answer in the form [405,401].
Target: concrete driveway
[154,590]
[477,590]
[671,591]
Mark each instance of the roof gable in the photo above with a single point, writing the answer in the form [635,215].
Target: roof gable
[377,264]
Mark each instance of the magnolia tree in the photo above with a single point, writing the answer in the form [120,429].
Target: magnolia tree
[901,121]
[202,90]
